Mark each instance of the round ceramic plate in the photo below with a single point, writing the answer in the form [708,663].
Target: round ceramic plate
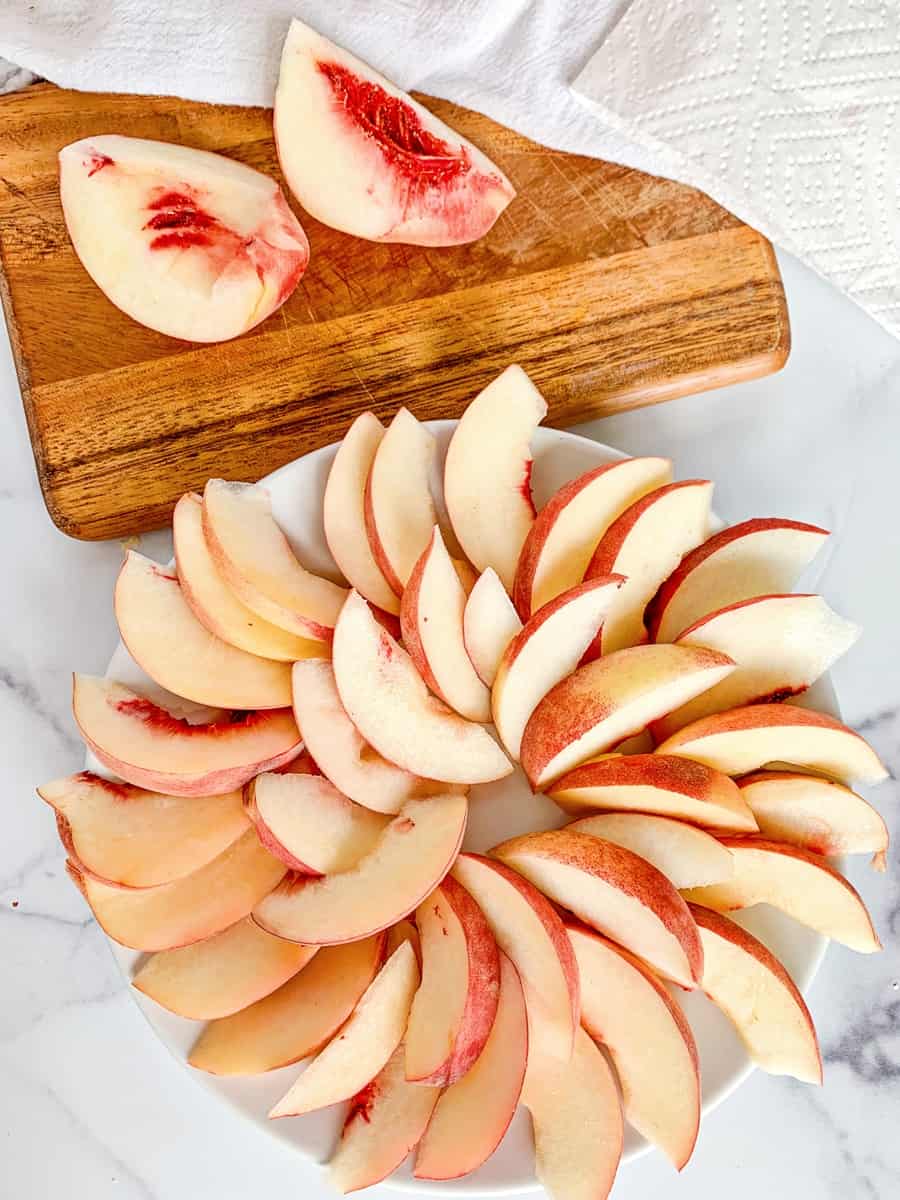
[497,811]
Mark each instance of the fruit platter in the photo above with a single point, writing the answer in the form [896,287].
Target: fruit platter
[461,784]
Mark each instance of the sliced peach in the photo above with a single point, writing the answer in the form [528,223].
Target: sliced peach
[745,739]
[388,702]
[489,624]
[655,783]
[213,602]
[780,645]
[687,856]
[308,824]
[364,157]
[180,654]
[344,512]
[577,1119]
[487,472]
[344,1066]
[454,1008]
[645,544]
[124,835]
[566,531]
[529,930]
[616,892]
[403,931]
[343,755]
[383,1123]
[296,1020]
[815,814]
[548,648]
[431,619]
[222,974]
[410,858]
[257,562]
[798,882]
[398,506]
[609,699]
[625,1007]
[189,243]
[150,748]
[473,1114]
[755,558]
[189,909]
[747,982]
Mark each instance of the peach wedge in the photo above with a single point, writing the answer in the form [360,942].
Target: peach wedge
[454,1008]
[609,699]
[616,892]
[148,747]
[489,624]
[744,739]
[687,856]
[747,982]
[179,653]
[125,835]
[294,1021]
[797,882]
[655,783]
[410,858]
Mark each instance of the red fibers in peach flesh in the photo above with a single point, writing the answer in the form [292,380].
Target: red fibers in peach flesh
[122,790]
[97,162]
[362,1104]
[525,486]
[157,718]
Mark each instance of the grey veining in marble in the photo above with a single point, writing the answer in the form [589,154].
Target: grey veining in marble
[92,1106]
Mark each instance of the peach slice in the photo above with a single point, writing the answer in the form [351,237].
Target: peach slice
[473,1114]
[189,909]
[744,739]
[258,564]
[645,544]
[529,930]
[616,892]
[307,823]
[781,645]
[410,858]
[223,974]
[186,242]
[150,748]
[751,987]
[403,931]
[295,1021]
[487,472]
[383,1123]
[815,814]
[213,602]
[343,755]
[577,1119]
[398,505]
[124,835]
[656,783]
[627,1009]
[374,1031]
[344,512]
[609,699]
[687,856]
[798,882]
[489,624]
[549,647]
[454,1008]
[362,156]
[388,702]
[431,619]
[761,557]
[566,531]
[168,642]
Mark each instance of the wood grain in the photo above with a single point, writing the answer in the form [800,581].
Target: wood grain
[611,288]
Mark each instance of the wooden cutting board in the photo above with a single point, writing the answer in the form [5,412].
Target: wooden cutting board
[611,288]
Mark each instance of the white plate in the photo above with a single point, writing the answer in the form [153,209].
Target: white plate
[497,811]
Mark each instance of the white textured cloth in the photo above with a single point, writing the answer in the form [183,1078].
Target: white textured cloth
[786,111]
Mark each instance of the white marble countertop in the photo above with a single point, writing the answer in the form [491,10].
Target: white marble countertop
[91,1105]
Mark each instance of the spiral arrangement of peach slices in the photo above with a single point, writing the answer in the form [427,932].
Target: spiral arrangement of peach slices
[291,858]
[201,247]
